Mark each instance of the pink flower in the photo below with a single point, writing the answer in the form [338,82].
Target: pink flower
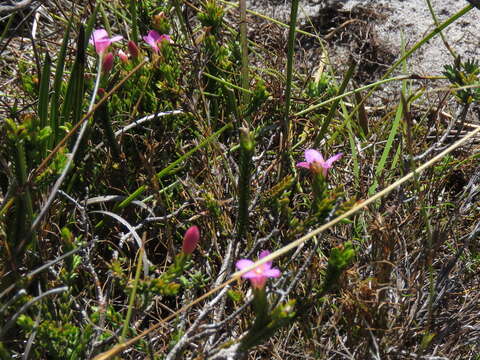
[153,38]
[101,41]
[190,239]
[107,62]
[258,276]
[316,163]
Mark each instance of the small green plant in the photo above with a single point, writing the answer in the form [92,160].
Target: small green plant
[464,74]
[323,88]
[340,257]
[212,16]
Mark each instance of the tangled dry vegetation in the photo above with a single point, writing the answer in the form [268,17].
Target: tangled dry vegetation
[410,291]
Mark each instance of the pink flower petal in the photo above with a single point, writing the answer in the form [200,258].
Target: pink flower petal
[154,39]
[303,164]
[251,275]
[154,35]
[101,41]
[102,45]
[243,264]
[259,276]
[264,253]
[272,273]
[312,156]
[98,35]
[334,158]
[165,38]
[151,41]
[116,38]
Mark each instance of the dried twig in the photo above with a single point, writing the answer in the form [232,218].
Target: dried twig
[13,6]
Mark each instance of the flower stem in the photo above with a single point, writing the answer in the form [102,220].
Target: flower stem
[132,296]
[333,108]
[247,148]
[134,16]
[290,59]
[244,50]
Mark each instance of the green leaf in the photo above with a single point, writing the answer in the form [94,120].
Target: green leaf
[74,93]
[57,84]
[44,91]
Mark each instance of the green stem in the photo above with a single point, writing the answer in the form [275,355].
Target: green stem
[290,59]
[260,306]
[103,116]
[106,22]
[43,96]
[262,318]
[134,16]
[228,84]
[244,50]
[247,148]
[333,108]
[435,19]
[7,27]
[24,206]
[132,297]
[181,20]
[57,84]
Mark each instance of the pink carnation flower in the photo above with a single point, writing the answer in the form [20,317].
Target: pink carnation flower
[316,163]
[153,38]
[102,41]
[258,276]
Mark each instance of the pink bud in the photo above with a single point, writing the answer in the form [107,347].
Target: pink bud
[190,239]
[107,63]
[133,49]
[123,57]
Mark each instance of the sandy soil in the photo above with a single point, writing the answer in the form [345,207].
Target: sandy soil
[410,17]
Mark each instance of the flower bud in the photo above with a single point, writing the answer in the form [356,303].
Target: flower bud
[123,57]
[133,49]
[190,239]
[107,63]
